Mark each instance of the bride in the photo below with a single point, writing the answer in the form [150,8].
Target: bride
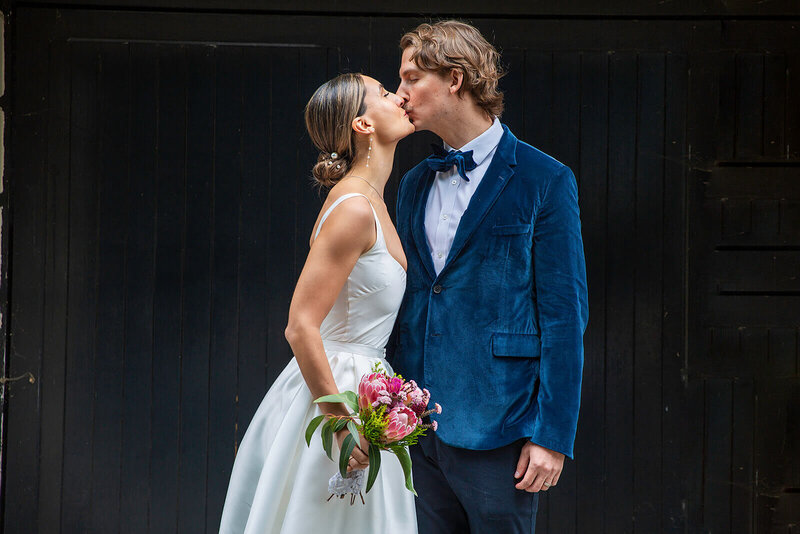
[340,318]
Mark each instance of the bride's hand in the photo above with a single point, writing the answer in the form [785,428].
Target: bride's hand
[358,458]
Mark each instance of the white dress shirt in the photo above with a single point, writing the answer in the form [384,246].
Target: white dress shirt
[450,194]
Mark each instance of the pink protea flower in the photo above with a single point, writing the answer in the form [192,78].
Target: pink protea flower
[416,398]
[401,421]
[372,391]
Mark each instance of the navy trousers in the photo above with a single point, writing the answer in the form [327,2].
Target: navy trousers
[461,491]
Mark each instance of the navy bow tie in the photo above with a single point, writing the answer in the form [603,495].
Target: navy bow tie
[443,161]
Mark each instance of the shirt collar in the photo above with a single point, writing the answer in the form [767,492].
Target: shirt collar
[482,145]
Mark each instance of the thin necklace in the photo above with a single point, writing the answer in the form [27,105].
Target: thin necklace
[369,184]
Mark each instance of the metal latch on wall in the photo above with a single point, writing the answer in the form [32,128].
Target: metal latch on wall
[28,375]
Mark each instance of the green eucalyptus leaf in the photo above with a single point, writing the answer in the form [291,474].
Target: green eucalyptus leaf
[312,426]
[338,397]
[405,462]
[340,424]
[353,429]
[327,437]
[351,399]
[374,465]
[347,449]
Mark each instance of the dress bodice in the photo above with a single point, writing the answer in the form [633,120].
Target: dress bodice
[367,305]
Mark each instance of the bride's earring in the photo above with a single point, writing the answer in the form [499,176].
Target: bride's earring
[369,151]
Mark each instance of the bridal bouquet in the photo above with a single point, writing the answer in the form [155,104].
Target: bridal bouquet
[388,412]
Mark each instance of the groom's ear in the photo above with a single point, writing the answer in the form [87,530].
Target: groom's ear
[456,79]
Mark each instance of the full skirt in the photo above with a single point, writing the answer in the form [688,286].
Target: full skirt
[280,486]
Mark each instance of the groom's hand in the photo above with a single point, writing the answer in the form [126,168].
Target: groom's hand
[536,466]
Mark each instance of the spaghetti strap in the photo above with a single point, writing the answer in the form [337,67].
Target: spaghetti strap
[339,201]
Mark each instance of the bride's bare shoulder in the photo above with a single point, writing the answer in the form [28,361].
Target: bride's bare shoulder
[351,220]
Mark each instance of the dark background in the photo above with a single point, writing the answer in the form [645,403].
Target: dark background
[159,206]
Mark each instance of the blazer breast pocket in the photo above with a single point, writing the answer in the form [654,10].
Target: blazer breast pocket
[511,229]
[509,244]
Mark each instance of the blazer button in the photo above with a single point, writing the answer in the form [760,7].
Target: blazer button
[437,289]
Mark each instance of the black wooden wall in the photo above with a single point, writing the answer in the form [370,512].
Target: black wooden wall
[161,208]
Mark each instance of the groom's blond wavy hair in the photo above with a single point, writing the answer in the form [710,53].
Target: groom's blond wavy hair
[450,44]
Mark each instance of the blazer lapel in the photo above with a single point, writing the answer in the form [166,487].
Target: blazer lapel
[492,184]
[418,219]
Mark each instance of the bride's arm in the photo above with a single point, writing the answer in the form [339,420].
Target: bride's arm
[347,233]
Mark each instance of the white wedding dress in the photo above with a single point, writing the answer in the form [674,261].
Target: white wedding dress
[278,484]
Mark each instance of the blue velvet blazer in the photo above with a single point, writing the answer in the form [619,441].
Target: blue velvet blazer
[497,336]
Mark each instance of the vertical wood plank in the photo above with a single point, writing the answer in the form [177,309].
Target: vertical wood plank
[78,405]
[678,429]
[55,291]
[137,427]
[749,105]
[774,105]
[619,293]
[742,471]
[792,148]
[772,409]
[253,262]
[648,300]
[225,278]
[589,442]
[196,309]
[539,91]
[704,89]
[717,457]
[753,357]
[725,132]
[282,213]
[112,99]
[566,110]
[168,285]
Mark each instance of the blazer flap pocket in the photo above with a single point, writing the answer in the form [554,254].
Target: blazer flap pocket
[511,229]
[516,345]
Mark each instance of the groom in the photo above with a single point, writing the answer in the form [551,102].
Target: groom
[495,306]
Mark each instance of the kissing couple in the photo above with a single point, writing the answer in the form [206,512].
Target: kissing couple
[482,278]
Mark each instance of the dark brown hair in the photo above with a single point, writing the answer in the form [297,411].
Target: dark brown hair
[329,115]
[450,44]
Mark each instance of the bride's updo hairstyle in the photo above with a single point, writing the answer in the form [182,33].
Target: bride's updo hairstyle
[329,117]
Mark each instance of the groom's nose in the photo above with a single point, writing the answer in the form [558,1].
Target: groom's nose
[403,99]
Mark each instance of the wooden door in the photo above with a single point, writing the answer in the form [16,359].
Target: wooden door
[161,209]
